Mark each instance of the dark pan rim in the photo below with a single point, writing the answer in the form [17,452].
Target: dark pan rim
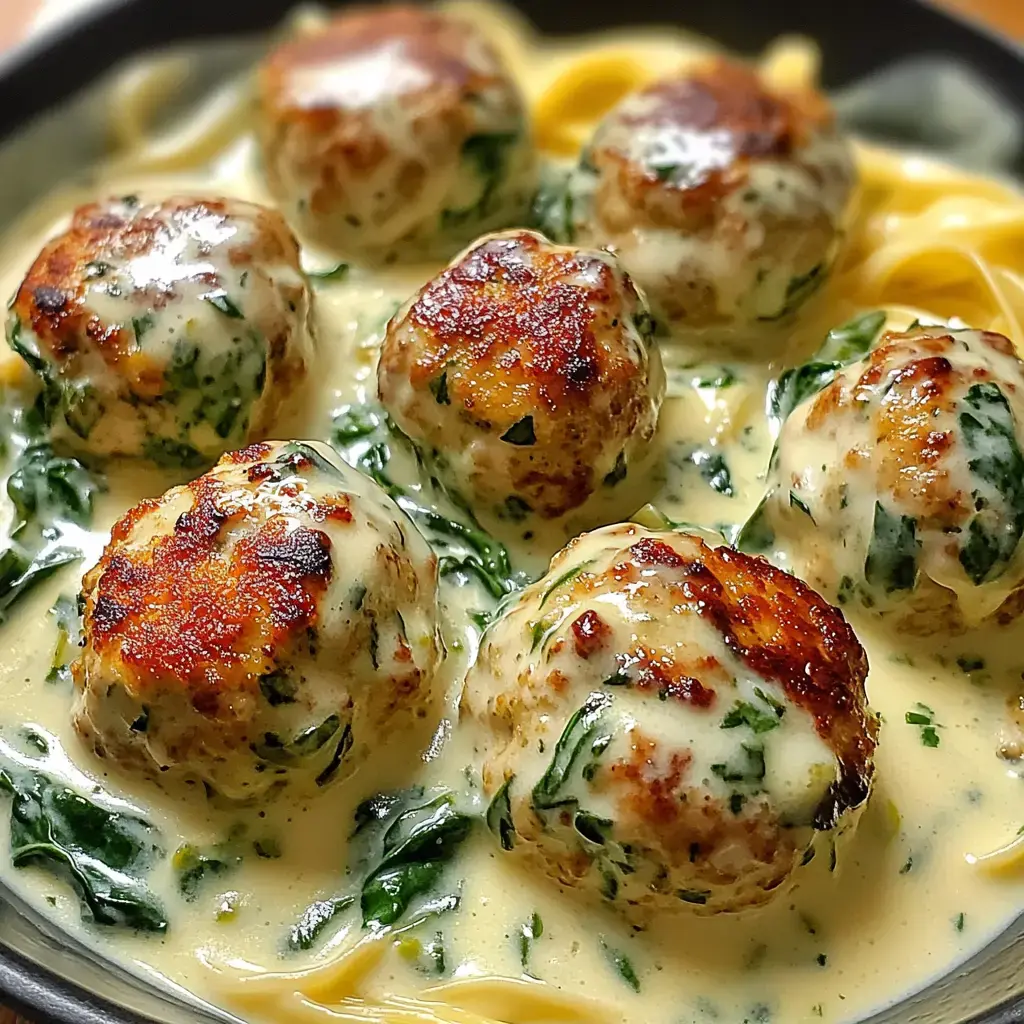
[54,64]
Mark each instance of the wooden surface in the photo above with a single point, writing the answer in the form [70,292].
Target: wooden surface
[1005,15]
[19,17]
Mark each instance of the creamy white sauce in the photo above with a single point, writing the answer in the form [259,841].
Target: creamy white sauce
[903,905]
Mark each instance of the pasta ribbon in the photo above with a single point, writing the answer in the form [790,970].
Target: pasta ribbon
[566,114]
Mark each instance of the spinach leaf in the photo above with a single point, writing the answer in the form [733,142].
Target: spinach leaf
[304,744]
[222,301]
[471,566]
[315,918]
[714,471]
[798,289]
[990,434]
[103,854]
[756,534]
[195,867]
[565,577]
[529,932]
[750,769]
[438,387]
[797,385]
[553,205]
[623,965]
[843,345]
[923,716]
[891,561]
[720,377]
[362,435]
[278,688]
[499,816]
[487,154]
[521,433]
[577,732]
[795,501]
[49,493]
[353,422]
[743,713]
[69,624]
[170,454]
[401,848]
[853,340]
[336,273]
[417,846]
[218,389]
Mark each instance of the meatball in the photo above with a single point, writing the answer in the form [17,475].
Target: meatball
[394,132]
[525,373]
[168,331]
[668,724]
[265,624]
[899,488]
[721,196]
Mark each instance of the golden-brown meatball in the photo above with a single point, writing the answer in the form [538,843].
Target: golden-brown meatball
[525,371]
[900,486]
[268,622]
[669,724]
[169,330]
[394,131]
[722,197]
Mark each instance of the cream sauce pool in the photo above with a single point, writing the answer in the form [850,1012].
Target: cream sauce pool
[905,900]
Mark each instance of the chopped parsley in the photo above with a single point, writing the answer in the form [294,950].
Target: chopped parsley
[923,717]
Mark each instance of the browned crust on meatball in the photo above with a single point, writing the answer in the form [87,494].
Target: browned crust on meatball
[781,629]
[749,122]
[177,613]
[513,339]
[436,43]
[922,384]
[521,335]
[345,141]
[52,297]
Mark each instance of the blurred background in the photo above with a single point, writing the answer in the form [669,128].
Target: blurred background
[18,18]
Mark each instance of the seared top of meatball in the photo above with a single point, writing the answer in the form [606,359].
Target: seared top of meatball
[216,602]
[85,288]
[697,137]
[379,53]
[175,609]
[517,324]
[773,623]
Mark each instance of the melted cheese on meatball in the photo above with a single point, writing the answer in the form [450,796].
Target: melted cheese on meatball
[169,331]
[900,486]
[668,724]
